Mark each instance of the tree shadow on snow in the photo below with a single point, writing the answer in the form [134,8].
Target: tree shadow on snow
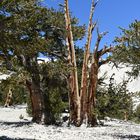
[133,137]
[7,138]
[16,124]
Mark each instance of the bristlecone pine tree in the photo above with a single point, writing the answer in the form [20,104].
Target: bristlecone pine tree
[82,100]
[128,50]
[26,31]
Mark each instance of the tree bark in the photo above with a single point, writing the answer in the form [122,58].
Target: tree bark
[74,98]
[37,102]
[8,101]
[83,90]
[93,79]
[36,94]
[125,116]
[82,106]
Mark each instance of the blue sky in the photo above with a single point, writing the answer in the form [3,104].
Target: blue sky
[110,15]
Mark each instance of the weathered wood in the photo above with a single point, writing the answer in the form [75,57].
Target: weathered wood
[73,78]
[37,103]
[83,90]
[82,105]
[8,101]
[36,94]
[93,77]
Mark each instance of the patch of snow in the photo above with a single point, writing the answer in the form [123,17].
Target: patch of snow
[120,75]
[43,59]
[136,101]
[12,127]
[3,76]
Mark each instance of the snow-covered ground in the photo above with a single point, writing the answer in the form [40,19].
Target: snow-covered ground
[13,127]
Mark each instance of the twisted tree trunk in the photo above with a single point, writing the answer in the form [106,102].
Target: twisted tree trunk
[37,103]
[36,94]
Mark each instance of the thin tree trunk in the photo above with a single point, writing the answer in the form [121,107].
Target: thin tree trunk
[83,106]
[73,78]
[91,94]
[83,90]
[126,116]
[93,78]
[8,101]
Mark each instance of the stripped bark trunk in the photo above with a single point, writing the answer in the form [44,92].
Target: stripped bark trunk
[83,90]
[93,79]
[73,79]
[82,106]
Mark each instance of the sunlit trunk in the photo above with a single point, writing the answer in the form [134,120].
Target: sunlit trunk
[84,83]
[126,116]
[8,101]
[82,103]
[74,98]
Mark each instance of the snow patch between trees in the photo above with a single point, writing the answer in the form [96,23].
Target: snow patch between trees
[120,75]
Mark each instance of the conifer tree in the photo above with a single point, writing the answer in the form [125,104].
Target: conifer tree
[128,50]
[82,100]
[28,30]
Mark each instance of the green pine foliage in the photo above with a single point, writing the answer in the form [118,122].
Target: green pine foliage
[55,89]
[128,48]
[28,30]
[137,114]
[114,101]
[19,91]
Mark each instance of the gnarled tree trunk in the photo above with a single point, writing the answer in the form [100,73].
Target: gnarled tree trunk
[37,102]
[36,94]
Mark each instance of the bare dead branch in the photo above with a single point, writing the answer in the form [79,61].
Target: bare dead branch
[99,37]
[93,26]
[96,3]
[105,50]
